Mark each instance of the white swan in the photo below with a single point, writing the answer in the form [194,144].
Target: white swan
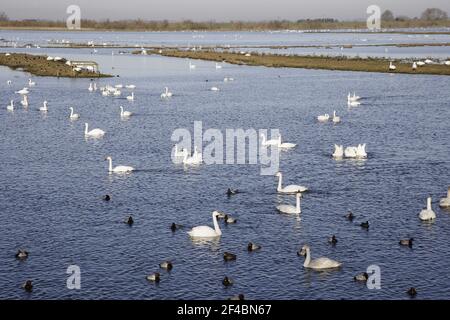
[323,117]
[338,151]
[218,66]
[264,142]
[118,86]
[428,61]
[23,91]
[31,83]
[117,92]
[191,66]
[392,67]
[131,98]
[73,116]
[44,108]
[293,188]
[447,63]
[24,101]
[445,202]
[414,65]
[228,79]
[285,208]
[166,94]
[353,103]
[428,213]
[118,169]
[336,119]
[181,153]
[319,263]
[9,82]
[130,86]
[361,151]
[214,89]
[206,232]
[193,160]
[285,145]
[125,114]
[94,133]
[420,63]
[353,98]
[10,107]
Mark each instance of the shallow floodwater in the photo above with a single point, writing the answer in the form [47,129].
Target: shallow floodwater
[52,181]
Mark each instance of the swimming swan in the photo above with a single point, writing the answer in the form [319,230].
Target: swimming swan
[31,83]
[285,145]
[323,117]
[166,94]
[44,108]
[293,188]
[428,213]
[10,107]
[319,263]
[338,151]
[336,119]
[285,208]
[445,202]
[118,169]
[95,133]
[193,160]
[131,98]
[73,116]
[206,232]
[24,102]
[265,142]
[125,114]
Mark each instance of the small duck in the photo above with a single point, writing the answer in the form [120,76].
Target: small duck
[174,227]
[228,219]
[238,297]
[406,242]
[21,254]
[154,277]
[230,192]
[106,197]
[349,216]
[332,240]
[28,286]
[227,281]
[252,247]
[362,277]
[365,225]
[129,221]
[412,292]
[166,265]
[227,256]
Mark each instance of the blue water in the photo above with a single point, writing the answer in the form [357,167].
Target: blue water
[52,181]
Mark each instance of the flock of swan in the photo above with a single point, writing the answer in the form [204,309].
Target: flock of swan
[206,232]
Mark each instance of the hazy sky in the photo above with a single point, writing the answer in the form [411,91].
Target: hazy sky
[219,10]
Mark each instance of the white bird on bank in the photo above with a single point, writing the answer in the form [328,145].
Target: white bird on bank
[392,67]
[414,65]
[323,118]
[166,94]
[206,232]
[44,108]
[428,61]
[94,133]
[118,169]
[447,63]
[73,116]
[31,83]
[131,98]
[10,106]
[319,263]
[428,213]
[285,208]
[125,114]
[445,202]
[420,63]
[336,119]
[293,188]
[338,151]
[24,101]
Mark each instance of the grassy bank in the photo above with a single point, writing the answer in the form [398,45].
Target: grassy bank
[307,62]
[40,66]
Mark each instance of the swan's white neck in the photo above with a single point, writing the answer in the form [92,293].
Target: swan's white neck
[298,203]
[307,258]
[121,110]
[263,138]
[280,178]
[86,128]
[429,203]
[71,111]
[110,164]
[216,226]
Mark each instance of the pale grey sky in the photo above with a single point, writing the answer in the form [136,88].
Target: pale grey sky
[219,10]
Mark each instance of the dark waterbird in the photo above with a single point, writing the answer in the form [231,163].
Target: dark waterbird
[174,227]
[166,265]
[365,225]
[227,256]
[412,292]
[238,297]
[227,281]
[253,247]
[362,277]
[332,240]
[349,216]
[21,254]
[154,277]
[129,221]
[106,197]
[28,286]
[231,192]
[406,242]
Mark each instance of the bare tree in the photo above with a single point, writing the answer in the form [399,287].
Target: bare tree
[434,14]
[387,16]
[3,16]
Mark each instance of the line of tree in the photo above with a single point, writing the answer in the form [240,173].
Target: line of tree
[430,14]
